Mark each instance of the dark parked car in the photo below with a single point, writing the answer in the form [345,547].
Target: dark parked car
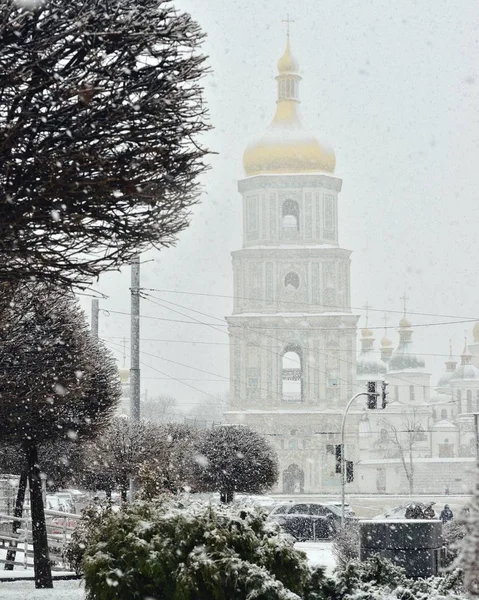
[310,520]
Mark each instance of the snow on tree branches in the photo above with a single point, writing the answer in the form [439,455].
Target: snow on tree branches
[56,380]
[234,459]
[100,110]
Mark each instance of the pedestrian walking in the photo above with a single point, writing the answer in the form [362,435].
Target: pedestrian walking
[446,514]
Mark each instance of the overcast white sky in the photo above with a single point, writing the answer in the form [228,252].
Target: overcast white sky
[394,88]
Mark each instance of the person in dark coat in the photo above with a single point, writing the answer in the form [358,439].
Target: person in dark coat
[414,511]
[429,511]
[446,514]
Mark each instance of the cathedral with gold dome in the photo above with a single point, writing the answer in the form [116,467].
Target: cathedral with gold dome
[293,334]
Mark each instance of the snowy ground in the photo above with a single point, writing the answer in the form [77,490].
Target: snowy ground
[319,553]
[25,590]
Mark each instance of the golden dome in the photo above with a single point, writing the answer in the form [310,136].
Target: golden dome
[287,147]
[475,332]
[287,63]
[386,342]
[404,322]
[367,333]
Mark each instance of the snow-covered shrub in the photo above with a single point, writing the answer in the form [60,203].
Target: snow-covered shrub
[83,534]
[175,549]
[346,544]
[468,558]
[379,579]
[453,533]
[319,586]
[376,570]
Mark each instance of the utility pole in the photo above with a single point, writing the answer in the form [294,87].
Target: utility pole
[95,313]
[135,340]
[476,429]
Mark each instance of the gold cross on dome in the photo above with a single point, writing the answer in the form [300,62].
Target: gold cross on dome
[404,299]
[367,306]
[385,319]
[287,21]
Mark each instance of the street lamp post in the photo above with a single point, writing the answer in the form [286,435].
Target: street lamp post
[343,462]
[372,404]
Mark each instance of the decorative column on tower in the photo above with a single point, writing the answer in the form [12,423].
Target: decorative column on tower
[292,333]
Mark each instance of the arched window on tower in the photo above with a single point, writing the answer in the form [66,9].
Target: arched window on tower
[291,281]
[290,216]
[411,393]
[469,401]
[443,414]
[292,375]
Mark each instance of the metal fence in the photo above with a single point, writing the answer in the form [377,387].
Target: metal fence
[59,529]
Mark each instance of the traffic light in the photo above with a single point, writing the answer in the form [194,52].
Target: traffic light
[349,471]
[338,458]
[372,395]
[384,393]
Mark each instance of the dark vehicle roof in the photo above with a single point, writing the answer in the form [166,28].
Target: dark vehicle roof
[285,508]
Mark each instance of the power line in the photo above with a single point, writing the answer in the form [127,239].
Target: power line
[286,316]
[149,296]
[179,380]
[260,299]
[127,314]
[170,341]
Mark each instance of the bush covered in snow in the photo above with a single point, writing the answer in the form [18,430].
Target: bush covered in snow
[379,579]
[178,549]
[83,534]
[453,533]
[174,549]
[346,544]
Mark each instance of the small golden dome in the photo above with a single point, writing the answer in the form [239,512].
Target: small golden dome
[386,342]
[367,333]
[475,332]
[404,322]
[287,147]
[287,63]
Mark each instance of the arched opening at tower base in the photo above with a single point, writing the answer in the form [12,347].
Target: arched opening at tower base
[293,480]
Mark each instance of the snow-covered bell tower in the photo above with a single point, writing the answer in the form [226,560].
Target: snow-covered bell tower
[292,334]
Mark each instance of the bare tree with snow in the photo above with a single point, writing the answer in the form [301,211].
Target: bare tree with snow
[401,442]
[116,456]
[160,409]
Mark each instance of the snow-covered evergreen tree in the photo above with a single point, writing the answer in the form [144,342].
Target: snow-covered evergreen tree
[57,382]
[233,459]
[100,111]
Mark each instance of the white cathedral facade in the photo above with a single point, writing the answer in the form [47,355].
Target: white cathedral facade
[293,336]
